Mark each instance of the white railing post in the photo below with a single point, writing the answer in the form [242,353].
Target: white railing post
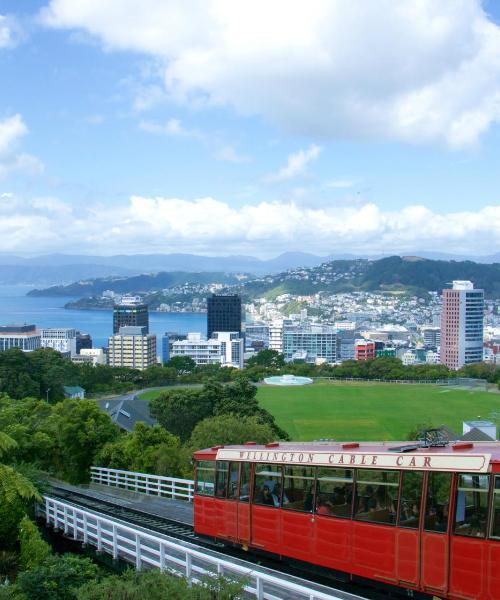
[65,512]
[162,557]
[138,561]
[115,543]
[85,530]
[75,525]
[259,587]
[99,536]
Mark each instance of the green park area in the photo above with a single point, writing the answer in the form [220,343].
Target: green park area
[372,411]
[369,411]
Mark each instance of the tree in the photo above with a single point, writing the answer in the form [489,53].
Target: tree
[230,429]
[180,410]
[57,578]
[153,585]
[79,429]
[270,359]
[34,550]
[146,449]
[182,364]
[17,492]
[13,485]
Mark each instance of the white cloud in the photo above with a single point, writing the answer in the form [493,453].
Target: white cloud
[410,70]
[229,154]
[296,164]
[207,225]
[10,31]
[339,184]
[12,129]
[172,127]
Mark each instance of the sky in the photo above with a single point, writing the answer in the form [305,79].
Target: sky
[234,127]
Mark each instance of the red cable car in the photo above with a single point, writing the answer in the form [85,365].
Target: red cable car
[422,518]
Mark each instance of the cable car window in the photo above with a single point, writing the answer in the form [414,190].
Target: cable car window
[376,496]
[438,502]
[471,505]
[221,480]
[334,492]
[232,485]
[267,488]
[298,489]
[411,497]
[205,478]
[495,522]
[245,482]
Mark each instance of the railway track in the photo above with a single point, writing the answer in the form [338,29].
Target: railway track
[186,533]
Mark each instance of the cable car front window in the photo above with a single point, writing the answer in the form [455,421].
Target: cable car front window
[205,478]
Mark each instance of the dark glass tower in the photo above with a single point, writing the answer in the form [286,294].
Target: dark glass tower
[223,314]
[134,315]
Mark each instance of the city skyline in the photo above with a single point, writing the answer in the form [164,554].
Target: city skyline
[206,128]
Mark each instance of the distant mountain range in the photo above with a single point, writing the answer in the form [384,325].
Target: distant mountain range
[391,273]
[59,269]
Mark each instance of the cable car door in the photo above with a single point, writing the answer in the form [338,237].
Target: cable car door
[435,545]
[243,515]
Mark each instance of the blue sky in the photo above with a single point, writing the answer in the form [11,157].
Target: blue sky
[224,127]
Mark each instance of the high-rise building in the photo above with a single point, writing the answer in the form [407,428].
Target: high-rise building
[25,337]
[462,325]
[61,339]
[131,312]
[83,341]
[223,314]
[132,347]
[313,343]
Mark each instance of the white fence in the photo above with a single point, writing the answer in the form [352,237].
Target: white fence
[149,551]
[155,485]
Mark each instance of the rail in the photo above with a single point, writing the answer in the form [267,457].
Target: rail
[146,550]
[155,485]
[453,381]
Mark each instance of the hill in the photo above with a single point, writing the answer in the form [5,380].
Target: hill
[136,284]
[411,273]
[392,273]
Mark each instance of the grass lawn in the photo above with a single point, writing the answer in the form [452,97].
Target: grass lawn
[371,411]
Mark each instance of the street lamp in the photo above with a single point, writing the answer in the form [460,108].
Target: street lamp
[48,390]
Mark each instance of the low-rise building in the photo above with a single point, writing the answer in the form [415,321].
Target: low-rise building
[312,344]
[62,339]
[25,337]
[132,347]
[223,348]
[364,350]
[74,391]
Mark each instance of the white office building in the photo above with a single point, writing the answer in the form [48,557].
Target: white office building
[224,348]
[312,343]
[61,339]
[25,337]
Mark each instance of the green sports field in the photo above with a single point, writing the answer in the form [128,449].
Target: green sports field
[372,411]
